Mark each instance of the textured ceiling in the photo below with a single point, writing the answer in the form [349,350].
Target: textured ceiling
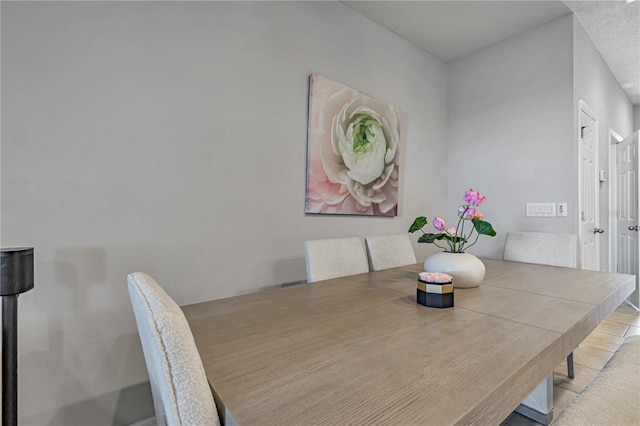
[614,29]
[452,29]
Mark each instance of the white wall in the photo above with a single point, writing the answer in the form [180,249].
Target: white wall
[596,86]
[636,117]
[171,138]
[510,130]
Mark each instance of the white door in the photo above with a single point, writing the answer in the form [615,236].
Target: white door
[627,171]
[588,231]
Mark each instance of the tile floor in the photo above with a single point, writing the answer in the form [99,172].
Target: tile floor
[588,359]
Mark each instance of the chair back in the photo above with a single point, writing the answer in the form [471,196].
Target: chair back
[390,251]
[333,258]
[542,248]
[181,393]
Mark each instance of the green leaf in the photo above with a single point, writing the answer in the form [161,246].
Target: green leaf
[484,228]
[418,224]
[430,238]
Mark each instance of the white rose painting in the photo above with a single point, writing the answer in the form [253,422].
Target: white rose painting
[352,153]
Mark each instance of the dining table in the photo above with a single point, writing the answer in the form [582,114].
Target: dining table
[359,350]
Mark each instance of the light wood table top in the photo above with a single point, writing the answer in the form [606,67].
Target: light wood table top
[360,350]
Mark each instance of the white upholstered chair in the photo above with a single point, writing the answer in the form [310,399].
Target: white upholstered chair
[545,249]
[390,251]
[335,257]
[542,248]
[181,394]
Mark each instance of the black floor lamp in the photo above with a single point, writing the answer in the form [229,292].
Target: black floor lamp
[16,277]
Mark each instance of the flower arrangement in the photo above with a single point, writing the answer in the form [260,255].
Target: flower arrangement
[457,238]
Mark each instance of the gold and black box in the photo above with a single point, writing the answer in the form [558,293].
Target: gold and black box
[435,295]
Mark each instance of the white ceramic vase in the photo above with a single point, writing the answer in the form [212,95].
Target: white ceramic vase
[466,269]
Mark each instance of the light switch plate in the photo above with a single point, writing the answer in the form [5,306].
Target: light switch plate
[541,210]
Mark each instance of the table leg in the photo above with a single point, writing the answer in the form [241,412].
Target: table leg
[538,405]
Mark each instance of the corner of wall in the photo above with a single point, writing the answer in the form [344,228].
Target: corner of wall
[594,83]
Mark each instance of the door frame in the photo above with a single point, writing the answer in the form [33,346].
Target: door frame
[583,107]
[614,139]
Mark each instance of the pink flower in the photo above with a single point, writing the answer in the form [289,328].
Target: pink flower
[439,224]
[466,212]
[435,277]
[473,198]
[457,243]
[470,195]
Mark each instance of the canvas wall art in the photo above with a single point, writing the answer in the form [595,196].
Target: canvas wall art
[352,151]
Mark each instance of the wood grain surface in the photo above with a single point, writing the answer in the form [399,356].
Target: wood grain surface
[360,350]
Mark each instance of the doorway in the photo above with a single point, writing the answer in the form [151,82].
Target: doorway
[625,192]
[588,220]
